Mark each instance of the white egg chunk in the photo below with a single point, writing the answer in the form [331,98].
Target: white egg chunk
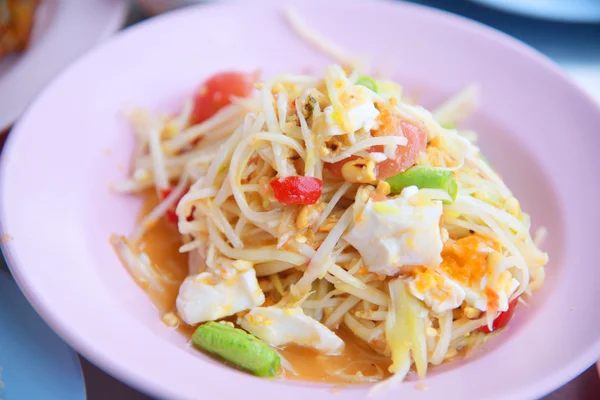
[437,291]
[208,296]
[504,287]
[363,116]
[396,232]
[360,110]
[331,127]
[282,326]
[475,298]
[494,296]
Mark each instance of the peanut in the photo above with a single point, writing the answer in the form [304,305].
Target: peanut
[361,170]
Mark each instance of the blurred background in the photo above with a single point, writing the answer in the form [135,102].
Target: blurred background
[566,31]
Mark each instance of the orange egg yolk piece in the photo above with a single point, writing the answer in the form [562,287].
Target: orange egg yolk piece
[464,262]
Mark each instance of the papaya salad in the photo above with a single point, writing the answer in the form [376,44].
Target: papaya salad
[316,211]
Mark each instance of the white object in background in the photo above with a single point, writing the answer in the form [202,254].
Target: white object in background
[557,10]
[587,76]
[62,31]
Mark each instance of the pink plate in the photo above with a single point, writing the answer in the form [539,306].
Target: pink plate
[537,128]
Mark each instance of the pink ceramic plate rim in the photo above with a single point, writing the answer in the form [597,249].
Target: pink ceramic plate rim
[142,358]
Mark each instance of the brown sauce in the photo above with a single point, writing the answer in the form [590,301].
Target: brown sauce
[161,243]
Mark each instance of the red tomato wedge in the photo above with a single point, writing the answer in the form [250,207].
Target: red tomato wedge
[216,93]
[171,214]
[503,319]
[405,156]
[297,189]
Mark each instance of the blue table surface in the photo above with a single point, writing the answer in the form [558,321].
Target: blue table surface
[574,46]
[30,351]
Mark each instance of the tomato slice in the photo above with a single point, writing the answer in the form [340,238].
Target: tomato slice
[502,319]
[405,156]
[297,189]
[216,93]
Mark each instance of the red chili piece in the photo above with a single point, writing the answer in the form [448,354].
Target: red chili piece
[502,320]
[297,189]
[171,214]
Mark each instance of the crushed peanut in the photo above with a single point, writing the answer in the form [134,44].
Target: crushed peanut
[308,215]
[324,151]
[383,188]
[300,238]
[361,170]
[302,218]
[471,312]
[169,131]
[170,319]
[329,223]
[457,313]
[278,87]
[337,143]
